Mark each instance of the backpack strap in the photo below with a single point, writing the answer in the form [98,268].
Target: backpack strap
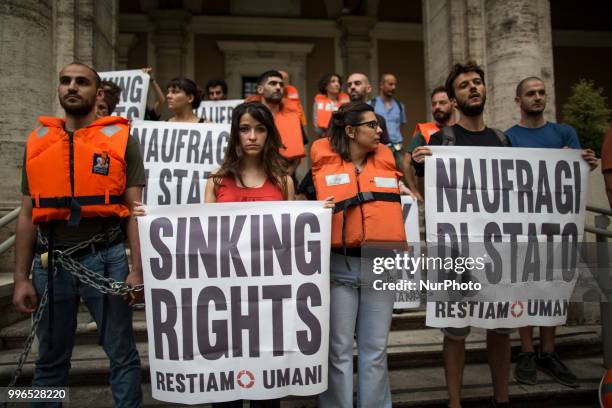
[399,105]
[501,136]
[448,136]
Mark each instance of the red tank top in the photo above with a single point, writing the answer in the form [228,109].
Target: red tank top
[230,192]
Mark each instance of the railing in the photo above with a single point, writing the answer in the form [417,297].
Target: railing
[602,221]
[4,221]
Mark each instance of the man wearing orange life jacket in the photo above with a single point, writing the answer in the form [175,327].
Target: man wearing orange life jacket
[270,89]
[354,169]
[327,101]
[291,93]
[81,177]
[443,112]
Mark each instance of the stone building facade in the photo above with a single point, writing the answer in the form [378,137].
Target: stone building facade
[418,40]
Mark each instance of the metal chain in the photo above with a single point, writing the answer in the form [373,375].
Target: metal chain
[104,285]
[28,343]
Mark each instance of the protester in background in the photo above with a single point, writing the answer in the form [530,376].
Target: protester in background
[291,91]
[466,85]
[183,97]
[606,164]
[111,95]
[270,90]
[292,94]
[394,113]
[534,131]
[216,90]
[353,150]
[45,226]
[327,101]
[443,112]
[154,112]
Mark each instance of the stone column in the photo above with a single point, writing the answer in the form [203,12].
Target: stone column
[356,44]
[85,31]
[38,38]
[510,39]
[28,72]
[170,43]
[519,45]
[125,43]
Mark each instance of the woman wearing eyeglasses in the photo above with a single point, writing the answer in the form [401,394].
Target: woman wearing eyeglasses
[359,172]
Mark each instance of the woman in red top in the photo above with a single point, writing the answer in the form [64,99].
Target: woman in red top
[253,169]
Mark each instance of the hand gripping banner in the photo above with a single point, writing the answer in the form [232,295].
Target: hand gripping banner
[237,300]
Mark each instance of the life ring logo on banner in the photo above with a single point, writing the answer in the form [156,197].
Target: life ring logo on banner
[517,309]
[245,379]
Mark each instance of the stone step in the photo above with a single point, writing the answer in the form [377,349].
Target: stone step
[422,387]
[14,335]
[9,315]
[6,284]
[406,349]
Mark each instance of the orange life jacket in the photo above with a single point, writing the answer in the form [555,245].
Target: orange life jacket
[368,205]
[426,129]
[325,107]
[291,92]
[78,176]
[287,121]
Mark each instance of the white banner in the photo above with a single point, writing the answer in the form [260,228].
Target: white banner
[517,216]
[410,299]
[217,111]
[178,158]
[237,300]
[134,86]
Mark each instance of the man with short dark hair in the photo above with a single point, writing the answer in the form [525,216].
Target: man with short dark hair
[81,177]
[394,113]
[534,131]
[443,112]
[112,94]
[270,92]
[216,90]
[466,85]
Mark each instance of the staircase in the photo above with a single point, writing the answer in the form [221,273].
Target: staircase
[415,362]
